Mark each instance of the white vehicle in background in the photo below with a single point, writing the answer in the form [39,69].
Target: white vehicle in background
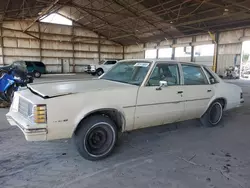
[101,68]
[134,94]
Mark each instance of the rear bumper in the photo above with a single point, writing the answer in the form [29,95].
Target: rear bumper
[31,134]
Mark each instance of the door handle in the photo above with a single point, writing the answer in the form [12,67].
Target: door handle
[179,92]
[209,90]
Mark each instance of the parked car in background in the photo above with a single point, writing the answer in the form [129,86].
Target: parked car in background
[36,68]
[133,94]
[103,67]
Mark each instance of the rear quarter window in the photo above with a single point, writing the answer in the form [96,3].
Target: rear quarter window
[39,64]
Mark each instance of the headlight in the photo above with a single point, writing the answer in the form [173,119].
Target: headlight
[39,114]
[17,78]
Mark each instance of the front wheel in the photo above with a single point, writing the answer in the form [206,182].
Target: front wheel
[96,137]
[99,72]
[213,115]
[10,93]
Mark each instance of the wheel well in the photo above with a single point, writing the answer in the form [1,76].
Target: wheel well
[222,101]
[99,69]
[113,114]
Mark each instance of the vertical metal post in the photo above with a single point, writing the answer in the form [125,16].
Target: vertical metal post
[157,50]
[144,46]
[173,50]
[192,49]
[216,52]
[73,48]
[123,52]
[99,48]
[40,41]
[2,44]
[62,68]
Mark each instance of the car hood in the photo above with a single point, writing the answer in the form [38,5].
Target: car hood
[56,89]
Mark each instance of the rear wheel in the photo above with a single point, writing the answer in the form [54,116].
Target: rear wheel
[96,137]
[37,74]
[99,72]
[213,115]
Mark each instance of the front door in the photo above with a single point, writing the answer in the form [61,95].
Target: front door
[160,106]
[197,91]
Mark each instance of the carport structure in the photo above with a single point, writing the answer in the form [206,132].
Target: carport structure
[140,22]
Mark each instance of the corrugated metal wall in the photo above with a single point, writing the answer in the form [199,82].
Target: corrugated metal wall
[55,45]
[229,49]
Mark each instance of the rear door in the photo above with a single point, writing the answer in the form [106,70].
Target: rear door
[197,91]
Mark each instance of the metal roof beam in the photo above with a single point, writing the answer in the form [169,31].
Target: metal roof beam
[6,8]
[134,13]
[105,21]
[42,14]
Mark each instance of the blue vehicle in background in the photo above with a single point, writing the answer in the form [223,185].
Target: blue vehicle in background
[11,78]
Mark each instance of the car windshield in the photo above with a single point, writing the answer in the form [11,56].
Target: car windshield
[130,72]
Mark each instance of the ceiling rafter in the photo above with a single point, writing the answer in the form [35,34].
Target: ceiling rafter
[42,14]
[136,14]
[78,23]
[107,22]
[5,10]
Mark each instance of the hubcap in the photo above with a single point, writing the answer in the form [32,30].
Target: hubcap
[100,73]
[215,113]
[98,141]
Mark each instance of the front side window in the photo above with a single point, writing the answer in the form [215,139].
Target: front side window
[165,72]
[130,72]
[193,75]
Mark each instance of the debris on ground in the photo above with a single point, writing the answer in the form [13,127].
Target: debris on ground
[4,104]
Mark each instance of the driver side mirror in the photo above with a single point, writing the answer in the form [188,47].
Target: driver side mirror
[162,84]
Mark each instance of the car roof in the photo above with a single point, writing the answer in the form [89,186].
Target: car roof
[160,60]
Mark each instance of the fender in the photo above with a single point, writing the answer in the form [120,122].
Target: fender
[89,110]
[214,98]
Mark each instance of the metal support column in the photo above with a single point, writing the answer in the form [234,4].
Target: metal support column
[99,48]
[2,45]
[73,49]
[40,41]
[123,52]
[192,49]
[173,50]
[216,52]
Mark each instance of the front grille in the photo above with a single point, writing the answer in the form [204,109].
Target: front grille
[24,107]
[88,67]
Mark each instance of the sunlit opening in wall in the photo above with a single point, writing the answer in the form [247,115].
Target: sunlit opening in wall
[56,19]
[150,54]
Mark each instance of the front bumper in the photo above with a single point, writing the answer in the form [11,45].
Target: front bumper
[90,71]
[31,134]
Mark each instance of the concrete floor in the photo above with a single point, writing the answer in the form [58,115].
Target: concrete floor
[182,155]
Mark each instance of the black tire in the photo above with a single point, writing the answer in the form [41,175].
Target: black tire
[99,72]
[96,137]
[10,93]
[37,74]
[213,115]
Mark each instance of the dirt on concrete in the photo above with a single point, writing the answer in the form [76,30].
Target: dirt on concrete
[183,155]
